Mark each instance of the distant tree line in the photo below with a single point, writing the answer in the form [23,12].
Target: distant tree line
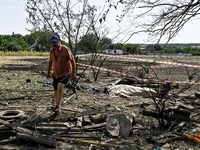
[39,41]
[184,50]
[18,42]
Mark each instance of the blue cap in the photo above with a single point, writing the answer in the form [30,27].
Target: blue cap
[54,38]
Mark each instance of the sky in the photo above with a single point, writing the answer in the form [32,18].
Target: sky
[13,19]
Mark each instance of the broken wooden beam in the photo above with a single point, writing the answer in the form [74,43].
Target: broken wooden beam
[14,98]
[79,135]
[24,133]
[98,118]
[15,127]
[6,134]
[197,94]
[54,129]
[74,94]
[100,143]
[3,127]
[38,139]
[94,126]
[52,124]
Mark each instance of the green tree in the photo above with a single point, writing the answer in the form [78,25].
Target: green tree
[14,42]
[104,41]
[12,46]
[119,46]
[3,43]
[88,43]
[40,39]
[131,48]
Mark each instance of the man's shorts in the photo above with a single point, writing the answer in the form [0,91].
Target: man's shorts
[63,80]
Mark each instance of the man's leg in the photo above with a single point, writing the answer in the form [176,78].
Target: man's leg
[59,93]
[58,96]
[55,96]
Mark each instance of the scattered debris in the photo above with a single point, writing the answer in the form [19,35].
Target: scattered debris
[119,125]
[28,80]
[8,78]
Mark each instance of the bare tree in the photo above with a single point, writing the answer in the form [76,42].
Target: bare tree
[69,19]
[160,19]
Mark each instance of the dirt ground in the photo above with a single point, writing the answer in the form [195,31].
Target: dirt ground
[23,86]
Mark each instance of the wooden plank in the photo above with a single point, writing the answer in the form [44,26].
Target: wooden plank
[24,133]
[64,129]
[15,127]
[94,126]
[78,135]
[14,98]
[197,94]
[41,140]
[100,143]
[54,124]
[3,127]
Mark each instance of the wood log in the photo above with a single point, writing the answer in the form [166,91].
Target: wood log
[24,133]
[11,108]
[15,127]
[186,96]
[6,134]
[55,129]
[197,94]
[100,143]
[94,126]
[97,118]
[69,98]
[52,124]
[38,139]
[78,135]
[3,127]
[8,147]
[14,98]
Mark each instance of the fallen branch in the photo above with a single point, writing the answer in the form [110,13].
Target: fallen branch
[55,129]
[94,126]
[100,143]
[38,139]
[14,98]
[27,134]
[69,98]
[79,135]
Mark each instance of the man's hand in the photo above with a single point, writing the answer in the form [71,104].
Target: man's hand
[48,76]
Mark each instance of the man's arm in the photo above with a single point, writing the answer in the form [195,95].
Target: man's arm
[49,69]
[73,70]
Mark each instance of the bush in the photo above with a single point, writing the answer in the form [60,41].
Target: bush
[13,47]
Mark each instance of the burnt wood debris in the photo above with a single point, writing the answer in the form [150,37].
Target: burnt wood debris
[96,117]
[91,126]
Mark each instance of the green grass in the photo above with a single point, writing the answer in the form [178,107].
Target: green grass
[24,53]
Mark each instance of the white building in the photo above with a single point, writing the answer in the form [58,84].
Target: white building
[113,51]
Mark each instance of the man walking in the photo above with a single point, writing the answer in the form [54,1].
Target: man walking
[64,66]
